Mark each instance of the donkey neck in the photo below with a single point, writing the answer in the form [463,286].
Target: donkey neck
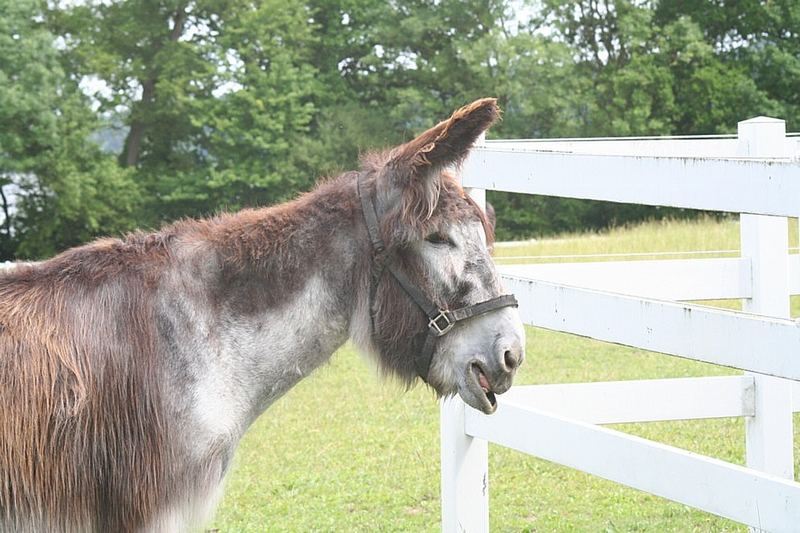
[273,304]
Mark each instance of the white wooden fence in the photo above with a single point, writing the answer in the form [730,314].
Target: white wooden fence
[638,304]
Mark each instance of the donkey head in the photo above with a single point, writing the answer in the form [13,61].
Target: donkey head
[438,239]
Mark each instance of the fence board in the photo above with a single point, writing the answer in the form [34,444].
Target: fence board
[680,279]
[742,494]
[760,188]
[701,146]
[748,342]
[648,400]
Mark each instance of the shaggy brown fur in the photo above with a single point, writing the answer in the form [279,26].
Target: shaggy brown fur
[415,167]
[81,413]
[85,436]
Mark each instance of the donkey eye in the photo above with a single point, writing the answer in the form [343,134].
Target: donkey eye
[440,239]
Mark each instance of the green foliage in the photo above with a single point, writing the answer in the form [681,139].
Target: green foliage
[58,188]
[230,103]
[758,42]
[215,95]
[644,68]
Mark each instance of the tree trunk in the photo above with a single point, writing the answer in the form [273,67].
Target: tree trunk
[133,142]
[6,252]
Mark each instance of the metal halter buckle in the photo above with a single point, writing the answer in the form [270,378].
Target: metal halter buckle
[442,323]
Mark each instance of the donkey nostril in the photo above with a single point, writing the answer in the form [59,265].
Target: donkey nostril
[511,359]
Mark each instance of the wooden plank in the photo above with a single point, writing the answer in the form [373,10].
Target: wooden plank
[578,275]
[728,490]
[465,473]
[681,146]
[649,400]
[794,147]
[748,342]
[769,433]
[688,146]
[676,283]
[796,396]
[464,459]
[739,186]
[681,279]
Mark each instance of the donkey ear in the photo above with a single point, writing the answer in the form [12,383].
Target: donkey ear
[413,169]
[448,142]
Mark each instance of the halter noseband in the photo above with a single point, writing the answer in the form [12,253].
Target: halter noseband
[440,321]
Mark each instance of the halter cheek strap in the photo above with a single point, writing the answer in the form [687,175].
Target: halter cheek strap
[440,321]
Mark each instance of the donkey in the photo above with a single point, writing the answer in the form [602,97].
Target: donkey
[130,368]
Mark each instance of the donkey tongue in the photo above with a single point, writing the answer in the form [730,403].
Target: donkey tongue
[482,381]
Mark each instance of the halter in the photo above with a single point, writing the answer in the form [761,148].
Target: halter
[440,321]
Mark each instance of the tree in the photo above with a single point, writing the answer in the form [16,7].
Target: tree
[57,188]
[392,68]
[229,103]
[759,41]
[214,95]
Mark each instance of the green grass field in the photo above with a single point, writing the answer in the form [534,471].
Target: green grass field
[345,451]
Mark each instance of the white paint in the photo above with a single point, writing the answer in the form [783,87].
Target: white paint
[688,146]
[702,146]
[748,342]
[728,490]
[679,279]
[764,240]
[465,473]
[649,400]
[478,196]
[794,274]
[771,188]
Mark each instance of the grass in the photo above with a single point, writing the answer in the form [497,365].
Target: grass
[344,451]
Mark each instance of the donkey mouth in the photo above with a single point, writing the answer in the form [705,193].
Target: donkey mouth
[486,398]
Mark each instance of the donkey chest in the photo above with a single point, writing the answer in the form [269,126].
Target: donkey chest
[267,364]
[229,368]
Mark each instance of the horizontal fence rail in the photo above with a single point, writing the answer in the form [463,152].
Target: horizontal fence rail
[756,343]
[678,279]
[772,189]
[646,400]
[736,492]
[701,146]
[709,146]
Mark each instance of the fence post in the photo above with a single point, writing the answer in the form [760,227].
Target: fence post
[764,240]
[465,459]
[465,473]
[478,195]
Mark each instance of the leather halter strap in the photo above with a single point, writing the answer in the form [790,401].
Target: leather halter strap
[440,321]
